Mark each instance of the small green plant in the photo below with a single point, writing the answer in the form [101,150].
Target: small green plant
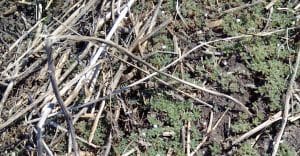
[215,149]
[246,149]
[241,125]
[166,119]
[160,60]
[286,150]
[83,128]
[268,61]
[161,42]
[212,71]
[140,7]
[242,23]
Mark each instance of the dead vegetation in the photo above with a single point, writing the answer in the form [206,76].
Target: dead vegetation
[136,77]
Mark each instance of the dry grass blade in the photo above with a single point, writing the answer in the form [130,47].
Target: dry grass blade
[138,77]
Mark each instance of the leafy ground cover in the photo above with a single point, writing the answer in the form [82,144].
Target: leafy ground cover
[228,91]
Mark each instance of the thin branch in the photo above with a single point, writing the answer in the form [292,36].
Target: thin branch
[58,97]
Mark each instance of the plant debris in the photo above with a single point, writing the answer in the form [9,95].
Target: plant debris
[156,77]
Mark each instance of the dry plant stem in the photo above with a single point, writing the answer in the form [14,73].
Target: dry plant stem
[61,63]
[112,31]
[180,15]
[22,112]
[287,104]
[209,130]
[24,35]
[183,137]
[269,18]
[77,137]
[42,97]
[151,25]
[294,117]
[5,96]
[67,12]
[243,6]
[97,55]
[263,125]
[125,51]
[58,97]
[297,6]
[163,82]
[108,145]
[129,152]
[76,15]
[96,121]
[67,27]
[8,90]
[112,10]
[206,136]
[39,9]
[188,139]
[100,22]
[95,124]
[45,112]
[112,86]
[48,151]
[271,4]
[37,101]
[153,20]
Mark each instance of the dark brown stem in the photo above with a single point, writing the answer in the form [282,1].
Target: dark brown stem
[51,70]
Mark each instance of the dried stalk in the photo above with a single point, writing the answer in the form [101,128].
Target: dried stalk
[58,97]
[128,53]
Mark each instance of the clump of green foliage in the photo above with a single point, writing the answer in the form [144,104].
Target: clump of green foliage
[246,22]
[265,57]
[213,72]
[169,116]
[139,8]
[286,150]
[268,63]
[246,149]
[190,10]
[161,42]
[192,14]
[160,60]
[165,116]
[241,125]
[83,128]
[215,149]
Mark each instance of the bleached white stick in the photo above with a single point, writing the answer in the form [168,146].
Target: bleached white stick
[110,34]
[96,56]
[45,112]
